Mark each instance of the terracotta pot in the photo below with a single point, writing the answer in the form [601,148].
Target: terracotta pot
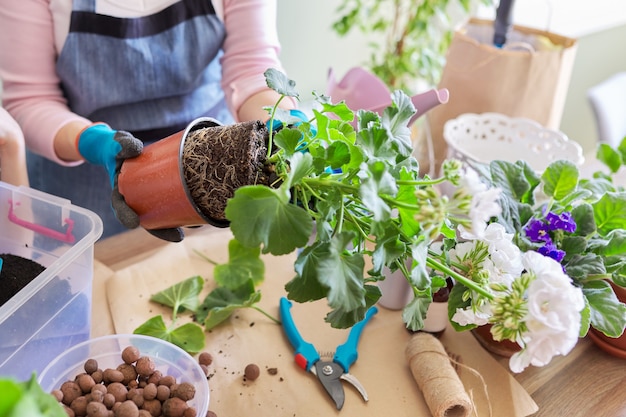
[616,346]
[153,184]
[504,348]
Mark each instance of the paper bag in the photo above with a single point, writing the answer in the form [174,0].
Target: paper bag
[528,77]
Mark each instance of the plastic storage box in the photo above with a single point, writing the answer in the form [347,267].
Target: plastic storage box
[53,312]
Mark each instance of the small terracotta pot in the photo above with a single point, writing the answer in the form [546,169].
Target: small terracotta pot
[616,346]
[153,184]
[504,348]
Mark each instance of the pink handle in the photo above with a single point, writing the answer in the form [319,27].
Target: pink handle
[66,237]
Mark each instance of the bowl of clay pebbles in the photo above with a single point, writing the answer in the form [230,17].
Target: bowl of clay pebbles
[127,375]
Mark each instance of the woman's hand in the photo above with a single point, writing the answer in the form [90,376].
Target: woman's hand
[12,151]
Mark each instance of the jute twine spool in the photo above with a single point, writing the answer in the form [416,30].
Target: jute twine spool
[442,389]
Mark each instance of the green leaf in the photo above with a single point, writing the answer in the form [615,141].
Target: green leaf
[615,243]
[397,118]
[334,268]
[338,154]
[407,197]
[420,278]
[243,264]
[222,302]
[389,249]
[610,212]
[262,216]
[289,140]
[512,179]
[608,314]
[609,156]
[11,394]
[279,82]
[183,295]
[414,313]
[301,164]
[585,221]
[189,337]
[341,110]
[560,179]
[581,266]
[376,180]
[342,319]
[573,245]
[456,301]
[305,286]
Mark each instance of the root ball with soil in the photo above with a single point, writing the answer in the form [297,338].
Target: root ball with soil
[219,159]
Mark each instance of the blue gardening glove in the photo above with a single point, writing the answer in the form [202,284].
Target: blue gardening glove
[291,117]
[101,145]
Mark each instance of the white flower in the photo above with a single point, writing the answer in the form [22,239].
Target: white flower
[468,316]
[484,204]
[505,258]
[553,317]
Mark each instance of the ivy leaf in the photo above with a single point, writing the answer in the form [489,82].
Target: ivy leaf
[608,314]
[560,179]
[413,313]
[338,154]
[189,336]
[406,196]
[263,216]
[388,249]
[376,180]
[243,264]
[301,164]
[342,319]
[180,296]
[279,82]
[339,271]
[396,118]
[290,140]
[220,304]
[610,212]
[340,109]
[306,286]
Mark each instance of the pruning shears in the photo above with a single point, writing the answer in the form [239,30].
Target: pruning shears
[329,373]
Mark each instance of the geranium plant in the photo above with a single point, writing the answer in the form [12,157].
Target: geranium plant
[529,253]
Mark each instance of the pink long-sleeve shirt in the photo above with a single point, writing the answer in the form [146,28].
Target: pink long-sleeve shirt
[32,33]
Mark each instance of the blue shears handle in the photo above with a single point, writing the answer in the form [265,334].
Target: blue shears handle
[306,354]
[346,354]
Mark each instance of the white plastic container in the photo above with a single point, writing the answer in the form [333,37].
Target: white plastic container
[107,350]
[53,312]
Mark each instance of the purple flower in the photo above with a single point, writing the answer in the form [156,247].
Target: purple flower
[537,231]
[564,221]
[550,250]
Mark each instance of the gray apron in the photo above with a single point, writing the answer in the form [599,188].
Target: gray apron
[150,75]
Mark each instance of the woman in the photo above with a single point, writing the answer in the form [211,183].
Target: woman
[81,71]
[12,151]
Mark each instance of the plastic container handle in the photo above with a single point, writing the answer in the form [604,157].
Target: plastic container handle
[306,354]
[66,237]
[346,354]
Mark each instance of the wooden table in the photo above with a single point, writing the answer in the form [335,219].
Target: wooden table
[588,382]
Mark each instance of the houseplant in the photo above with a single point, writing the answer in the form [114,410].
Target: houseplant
[346,197]
[414,36]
